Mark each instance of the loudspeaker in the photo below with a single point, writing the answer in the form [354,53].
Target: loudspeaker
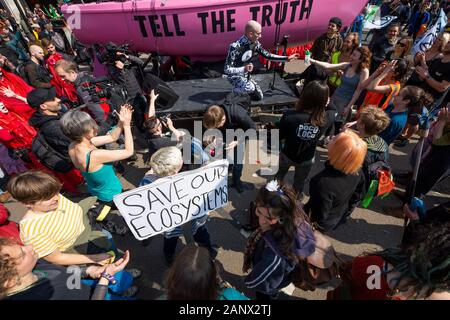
[167,97]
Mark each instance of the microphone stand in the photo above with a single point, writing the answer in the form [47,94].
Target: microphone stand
[283,43]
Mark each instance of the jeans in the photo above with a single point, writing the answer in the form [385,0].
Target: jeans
[301,171]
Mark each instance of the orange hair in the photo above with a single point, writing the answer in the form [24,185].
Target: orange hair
[346,152]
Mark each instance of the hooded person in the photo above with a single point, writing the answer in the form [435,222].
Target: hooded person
[14,95]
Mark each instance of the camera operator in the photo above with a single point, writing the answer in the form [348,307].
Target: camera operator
[153,125]
[123,74]
[85,86]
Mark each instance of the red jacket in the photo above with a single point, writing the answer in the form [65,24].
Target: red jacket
[21,88]
[63,88]
[15,132]
[8,229]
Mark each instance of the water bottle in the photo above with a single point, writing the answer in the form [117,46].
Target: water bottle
[307,58]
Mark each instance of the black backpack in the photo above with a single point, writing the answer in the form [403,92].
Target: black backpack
[49,157]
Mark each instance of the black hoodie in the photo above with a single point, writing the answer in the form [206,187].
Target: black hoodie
[49,127]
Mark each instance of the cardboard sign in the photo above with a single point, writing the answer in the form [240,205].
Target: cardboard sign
[172,201]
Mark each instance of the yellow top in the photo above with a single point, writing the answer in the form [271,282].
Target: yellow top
[54,230]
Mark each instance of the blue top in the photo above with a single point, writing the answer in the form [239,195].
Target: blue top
[348,86]
[103,183]
[396,126]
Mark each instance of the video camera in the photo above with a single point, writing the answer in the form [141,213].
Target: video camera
[108,54]
[102,88]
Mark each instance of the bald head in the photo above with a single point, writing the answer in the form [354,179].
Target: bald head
[36,52]
[253,30]
[252,25]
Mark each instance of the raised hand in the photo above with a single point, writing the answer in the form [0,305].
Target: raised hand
[153,96]
[125,115]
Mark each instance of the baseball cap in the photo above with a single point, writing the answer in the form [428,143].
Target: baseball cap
[38,96]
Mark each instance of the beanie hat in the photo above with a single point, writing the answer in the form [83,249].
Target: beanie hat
[337,21]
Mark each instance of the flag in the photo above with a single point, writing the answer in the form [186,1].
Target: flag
[426,41]
[379,23]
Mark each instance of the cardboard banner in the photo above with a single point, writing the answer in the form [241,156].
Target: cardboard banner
[172,201]
[426,41]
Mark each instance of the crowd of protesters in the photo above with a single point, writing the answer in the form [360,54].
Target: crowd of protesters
[58,134]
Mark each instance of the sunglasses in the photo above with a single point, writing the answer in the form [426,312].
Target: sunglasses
[401,44]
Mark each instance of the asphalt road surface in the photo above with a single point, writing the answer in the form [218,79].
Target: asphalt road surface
[367,230]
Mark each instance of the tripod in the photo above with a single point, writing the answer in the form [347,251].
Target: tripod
[272,86]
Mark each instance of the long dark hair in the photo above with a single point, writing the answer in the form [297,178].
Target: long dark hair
[313,100]
[193,276]
[417,97]
[283,206]
[423,260]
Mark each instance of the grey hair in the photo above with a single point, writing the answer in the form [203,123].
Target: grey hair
[75,124]
[166,161]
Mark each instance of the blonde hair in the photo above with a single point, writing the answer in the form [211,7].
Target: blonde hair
[166,161]
[374,120]
[346,152]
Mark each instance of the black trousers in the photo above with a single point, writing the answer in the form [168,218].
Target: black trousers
[432,168]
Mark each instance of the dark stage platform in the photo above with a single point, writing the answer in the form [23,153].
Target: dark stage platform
[196,95]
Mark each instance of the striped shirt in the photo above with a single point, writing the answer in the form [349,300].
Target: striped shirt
[54,230]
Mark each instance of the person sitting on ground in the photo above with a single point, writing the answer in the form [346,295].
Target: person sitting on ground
[167,162]
[56,227]
[230,115]
[384,84]
[8,229]
[36,74]
[96,164]
[301,129]
[13,41]
[63,88]
[284,235]
[417,270]
[46,120]
[328,43]
[68,71]
[410,100]
[194,276]
[24,277]
[338,188]
[13,92]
